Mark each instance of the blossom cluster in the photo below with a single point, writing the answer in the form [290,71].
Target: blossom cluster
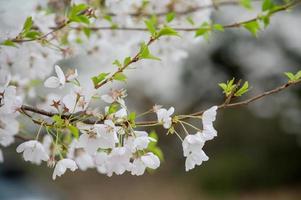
[10,102]
[110,144]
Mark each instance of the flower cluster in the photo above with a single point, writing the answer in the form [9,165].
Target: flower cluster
[193,144]
[110,144]
[9,104]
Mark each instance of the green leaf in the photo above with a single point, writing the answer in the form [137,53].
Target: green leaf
[127,61]
[242,90]
[87,32]
[132,118]
[117,63]
[218,27]
[253,27]
[169,17]
[167,31]
[228,87]
[298,75]
[266,20]
[293,77]
[74,131]
[267,5]
[76,13]
[32,34]
[145,53]
[246,3]
[9,43]
[290,76]
[113,108]
[76,9]
[27,24]
[150,26]
[97,79]
[204,30]
[190,20]
[58,121]
[119,77]
[223,86]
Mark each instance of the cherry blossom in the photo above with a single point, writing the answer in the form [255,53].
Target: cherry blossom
[138,141]
[148,160]
[33,151]
[164,116]
[9,127]
[61,167]
[118,161]
[192,149]
[80,156]
[56,81]
[208,118]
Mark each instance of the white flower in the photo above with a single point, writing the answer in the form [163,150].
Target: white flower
[208,118]
[148,160]
[192,149]
[122,113]
[1,156]
[80,156]
[101,136]
[56,81]
[115,96]
[118,161]
[9,127]
[164,116]
[79,99]
[33,151]
[62,166]
[83,160]
[139,141]
[11,102]
[47,142]
[195,158]
[101,159]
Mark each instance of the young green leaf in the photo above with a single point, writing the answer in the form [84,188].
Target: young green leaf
[169,17]
[242,90]
[293,77]
[117,63]
[167,31]
[145,53]
[74,131]
[119,77]
[218,27]
[97,79]
[267,5]
[253,27]
[246,3]
[127,60]
[228,87]
[27,25]
[150,26]
[113,108]
[9,43]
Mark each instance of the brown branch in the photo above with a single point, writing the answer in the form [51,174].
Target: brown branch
[232,105]
[184,12]
[120,70]
[227,26]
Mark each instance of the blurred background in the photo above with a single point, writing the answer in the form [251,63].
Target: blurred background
[257,152]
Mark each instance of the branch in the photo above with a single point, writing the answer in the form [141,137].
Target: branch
[227,26]
[199,113]
[232,105]
[184,12]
